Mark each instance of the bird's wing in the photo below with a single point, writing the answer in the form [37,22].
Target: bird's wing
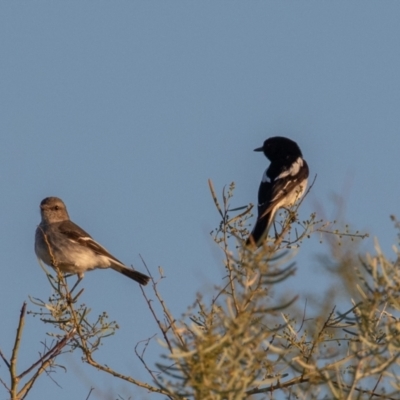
[282,190]
[265,193]
[77,235]
[281,195]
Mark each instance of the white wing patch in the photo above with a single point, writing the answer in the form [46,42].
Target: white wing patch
[293,170]
[265,177]
[288,199]
[85,238]
[282,192]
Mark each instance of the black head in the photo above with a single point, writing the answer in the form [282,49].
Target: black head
[278,147]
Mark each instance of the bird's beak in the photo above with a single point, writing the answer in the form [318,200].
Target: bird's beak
[259,149]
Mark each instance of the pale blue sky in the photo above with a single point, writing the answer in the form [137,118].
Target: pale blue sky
[125,109]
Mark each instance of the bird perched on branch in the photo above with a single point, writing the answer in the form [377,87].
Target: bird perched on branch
[283,183]
[61,243]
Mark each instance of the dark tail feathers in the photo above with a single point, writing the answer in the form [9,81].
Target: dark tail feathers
[131,273]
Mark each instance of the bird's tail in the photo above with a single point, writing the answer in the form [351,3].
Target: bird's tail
[131,273]
[260,231]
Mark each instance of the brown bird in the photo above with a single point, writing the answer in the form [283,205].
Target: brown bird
[61,243]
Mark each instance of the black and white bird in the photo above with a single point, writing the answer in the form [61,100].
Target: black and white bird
[282,184]
[61,243]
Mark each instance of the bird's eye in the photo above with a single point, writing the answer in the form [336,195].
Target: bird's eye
[56,208]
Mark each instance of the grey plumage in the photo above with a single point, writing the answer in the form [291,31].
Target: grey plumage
[61,243]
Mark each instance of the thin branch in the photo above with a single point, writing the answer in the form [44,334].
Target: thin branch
[126,378]
[375,387]
[5,360]
[149,304]
[90,392]
[215,198]
[53,352]
[14,356]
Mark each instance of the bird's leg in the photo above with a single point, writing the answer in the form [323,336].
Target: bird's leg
[80,276]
